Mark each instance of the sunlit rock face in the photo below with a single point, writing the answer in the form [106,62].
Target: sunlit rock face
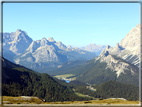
[128,50]
[48,50]
[131,41]
[114,64]
[17,42]
[131,44]
[18,47]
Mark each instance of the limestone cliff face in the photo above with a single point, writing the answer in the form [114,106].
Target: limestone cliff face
[114,64]
[17,42]
[18,47]
[40,51]
[129,47]
[132,40]
[131,44]
[127,53]
[48,50]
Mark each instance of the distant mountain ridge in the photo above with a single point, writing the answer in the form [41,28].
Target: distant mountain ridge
[18,47]
[94,48]
[47,53]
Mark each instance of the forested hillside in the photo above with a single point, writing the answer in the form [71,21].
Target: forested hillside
[113,89]
[109,89]
[19,81]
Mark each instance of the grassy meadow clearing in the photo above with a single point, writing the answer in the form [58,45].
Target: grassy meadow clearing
[35,100]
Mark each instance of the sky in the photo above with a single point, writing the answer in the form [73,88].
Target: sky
[77,24]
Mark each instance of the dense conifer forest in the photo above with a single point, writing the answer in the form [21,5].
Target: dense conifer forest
[19,81]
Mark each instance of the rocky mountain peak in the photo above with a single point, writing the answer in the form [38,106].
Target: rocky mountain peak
[132,39]
[21,35]
[43,38]
[18,31]
[120,57]
[69,46]
[44,41]
[50,39]
[17,41]
[107,47]
[103,54]
[138,25]
[129,47]
[118,47]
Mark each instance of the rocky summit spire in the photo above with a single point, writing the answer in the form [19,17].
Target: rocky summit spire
[18,41]
[18,30]
[129,47]
[44,39]
[50,39]
[107,47]
[117,46]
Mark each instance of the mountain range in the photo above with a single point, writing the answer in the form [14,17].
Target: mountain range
[94,48]
[106,72]
[19,48]
[43,55]
[119,63]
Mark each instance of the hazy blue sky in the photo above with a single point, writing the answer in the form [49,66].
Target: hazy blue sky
[77,24]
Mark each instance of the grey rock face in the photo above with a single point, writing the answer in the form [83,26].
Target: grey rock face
[17,41]
[128,50]
[18,47]
[50,39]
[115,64]
[40,51]
[48,50]
[60,45]
[132,40]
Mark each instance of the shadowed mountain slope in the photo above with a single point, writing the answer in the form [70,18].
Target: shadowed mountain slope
[20,81]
